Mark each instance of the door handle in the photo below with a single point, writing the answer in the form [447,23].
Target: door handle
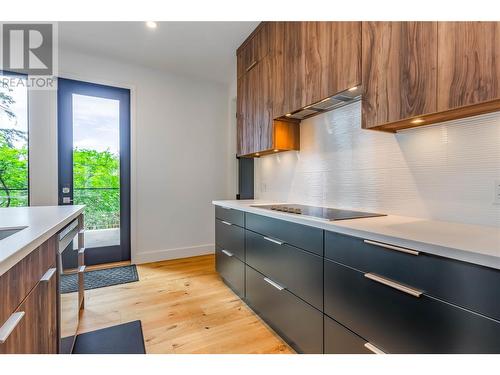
[10,325]
[278,242]
[225,222]
[392,247]
[229,254]
[373,348]
[402,288]
[48,275]
[275,284]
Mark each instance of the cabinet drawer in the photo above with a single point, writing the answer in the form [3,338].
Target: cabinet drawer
[297,270]
[16,283]
[32,327]
[460,283]
[307,238]
[231,238]
[397,322]
[300,324]
[339,340]
[231,269]
[230,215]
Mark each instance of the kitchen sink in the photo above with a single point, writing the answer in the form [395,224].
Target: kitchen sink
[4,233]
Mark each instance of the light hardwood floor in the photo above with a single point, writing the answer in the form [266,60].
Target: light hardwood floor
[185,308]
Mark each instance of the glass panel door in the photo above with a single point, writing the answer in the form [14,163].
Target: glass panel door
[94,164]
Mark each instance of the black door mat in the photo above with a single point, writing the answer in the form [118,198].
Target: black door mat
[100,278]
[124,338]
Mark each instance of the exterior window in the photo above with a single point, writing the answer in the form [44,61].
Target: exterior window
[13,145]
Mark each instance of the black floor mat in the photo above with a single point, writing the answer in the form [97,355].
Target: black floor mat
[100,278]
[124,338]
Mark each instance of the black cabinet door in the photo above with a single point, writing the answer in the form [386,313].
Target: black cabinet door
[230,237]
[339,340]
[460,283]
[232,270]
[297,270]
[300,324]
[230,215]
[307,238]
[397,322]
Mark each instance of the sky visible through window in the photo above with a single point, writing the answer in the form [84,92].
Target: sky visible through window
[96,123]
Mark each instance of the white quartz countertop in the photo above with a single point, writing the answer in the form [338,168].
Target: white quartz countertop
[40,223]
[470,243]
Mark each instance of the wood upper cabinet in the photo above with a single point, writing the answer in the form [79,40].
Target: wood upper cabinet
[399,71]
[255,48]
[320,59]
[468,63]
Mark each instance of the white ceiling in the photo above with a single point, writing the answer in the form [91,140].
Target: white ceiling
[203,50]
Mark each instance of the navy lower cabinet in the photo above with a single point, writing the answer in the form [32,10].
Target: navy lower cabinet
[300,324]
[339,340]
[231,269]
[397,319]
[230,237]
[299,271]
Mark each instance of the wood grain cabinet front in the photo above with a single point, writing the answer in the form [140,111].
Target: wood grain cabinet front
[468,63]
[399,71]
[32,327]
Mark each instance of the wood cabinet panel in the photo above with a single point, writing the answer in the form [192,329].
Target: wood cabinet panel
[36,333]
[255,48]
[468,63]
[293,66]
[399,70]
[332,59]
[16,283]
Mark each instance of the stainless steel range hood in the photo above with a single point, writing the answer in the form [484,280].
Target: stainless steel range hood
[325,105]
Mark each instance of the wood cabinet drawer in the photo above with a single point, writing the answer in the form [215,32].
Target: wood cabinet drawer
[230,215]
[300,324]
[339,340]
[397,322]
[16,283]
[231,269]
[33,325]
[297,270]
[230,237]
[460,283]
[307,238]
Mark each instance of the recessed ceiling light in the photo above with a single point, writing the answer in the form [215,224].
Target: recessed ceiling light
[151,24]
[417,121]
[257,154]
[276,150]
[288,114]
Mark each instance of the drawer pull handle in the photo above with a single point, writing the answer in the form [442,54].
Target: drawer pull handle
[251,65]
[229,254]
[225,222]
[10,325]
[373,348]
[392,247]
[403,288]
[274,241]
[276,285]
[48,275]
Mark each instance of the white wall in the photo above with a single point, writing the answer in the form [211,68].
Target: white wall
[444,172]
[179,159]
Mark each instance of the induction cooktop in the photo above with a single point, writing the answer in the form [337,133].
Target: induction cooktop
[324,213]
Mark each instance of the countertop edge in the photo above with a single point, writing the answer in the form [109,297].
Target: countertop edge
[24,251]
[424,247]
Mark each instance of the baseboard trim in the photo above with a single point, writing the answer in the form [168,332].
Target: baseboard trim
[167,254]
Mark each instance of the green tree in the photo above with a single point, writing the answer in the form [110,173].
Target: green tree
[96,182]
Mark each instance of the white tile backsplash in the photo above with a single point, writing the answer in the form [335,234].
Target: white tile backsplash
[442,172]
